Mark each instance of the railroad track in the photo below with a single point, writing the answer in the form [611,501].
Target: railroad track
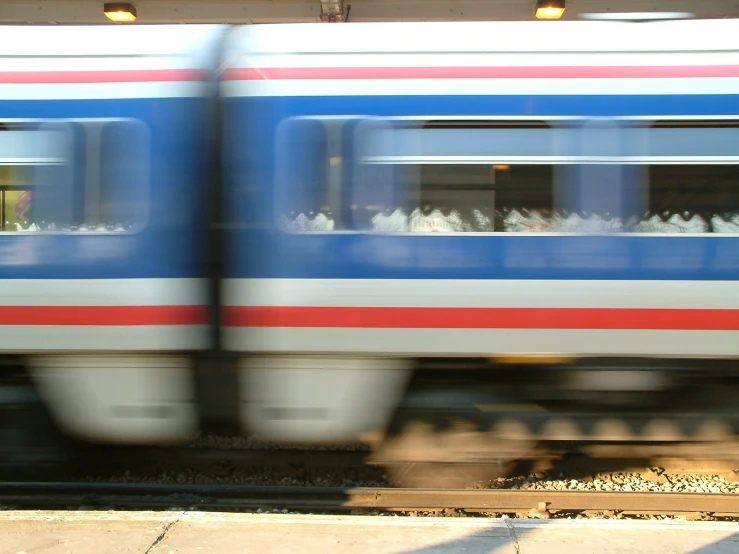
[355,465]
[234,498]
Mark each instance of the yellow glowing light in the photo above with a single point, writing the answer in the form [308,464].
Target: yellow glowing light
[501,167]
[120,12]
[550,9]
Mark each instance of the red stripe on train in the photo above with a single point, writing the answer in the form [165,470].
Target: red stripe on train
[103,315]
[297,73]
[483,318]
[504,72]
[92,77]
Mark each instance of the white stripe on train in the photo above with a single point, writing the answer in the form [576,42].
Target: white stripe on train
[374,87]
[123,338]
[409,58]
[131,62]
[483,87]
[102,91]
[490,293]
[483,342]
[103,292]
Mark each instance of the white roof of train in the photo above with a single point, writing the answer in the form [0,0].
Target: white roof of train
[526,36]
[529,36]
[105,40]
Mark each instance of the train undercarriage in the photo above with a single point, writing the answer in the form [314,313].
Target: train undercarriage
[463,421]
[459,421]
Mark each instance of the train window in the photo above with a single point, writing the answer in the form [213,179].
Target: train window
[453,176]
[15,198]
[309,171]
[72,176]
[506,176]
[693,178]
[28,154]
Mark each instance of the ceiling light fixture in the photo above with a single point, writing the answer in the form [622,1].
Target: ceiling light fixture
[120,12]
[550,9]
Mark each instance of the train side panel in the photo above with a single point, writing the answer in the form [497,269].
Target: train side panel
[496,199]
[103,293]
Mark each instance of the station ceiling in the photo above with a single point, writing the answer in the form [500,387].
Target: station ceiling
[284,11]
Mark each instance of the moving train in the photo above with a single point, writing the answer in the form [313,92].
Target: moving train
[461,243]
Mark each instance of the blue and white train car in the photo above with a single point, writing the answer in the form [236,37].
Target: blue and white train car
[400,192]
[103,144]
[549,211]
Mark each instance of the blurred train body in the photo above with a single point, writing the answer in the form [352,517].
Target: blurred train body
[322,232]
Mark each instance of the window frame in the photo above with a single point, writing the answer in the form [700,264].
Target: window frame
[554,122]
[648,122]
[142,220]
[334,170]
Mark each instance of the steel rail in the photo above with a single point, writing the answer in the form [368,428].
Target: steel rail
[226,497]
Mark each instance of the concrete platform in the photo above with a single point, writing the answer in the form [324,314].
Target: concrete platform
[196,533]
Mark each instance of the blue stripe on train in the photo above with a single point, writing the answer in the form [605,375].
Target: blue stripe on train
[349,256]
[504,105]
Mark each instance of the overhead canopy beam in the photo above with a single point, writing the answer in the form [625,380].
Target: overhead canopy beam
[294,11]
[163,11]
